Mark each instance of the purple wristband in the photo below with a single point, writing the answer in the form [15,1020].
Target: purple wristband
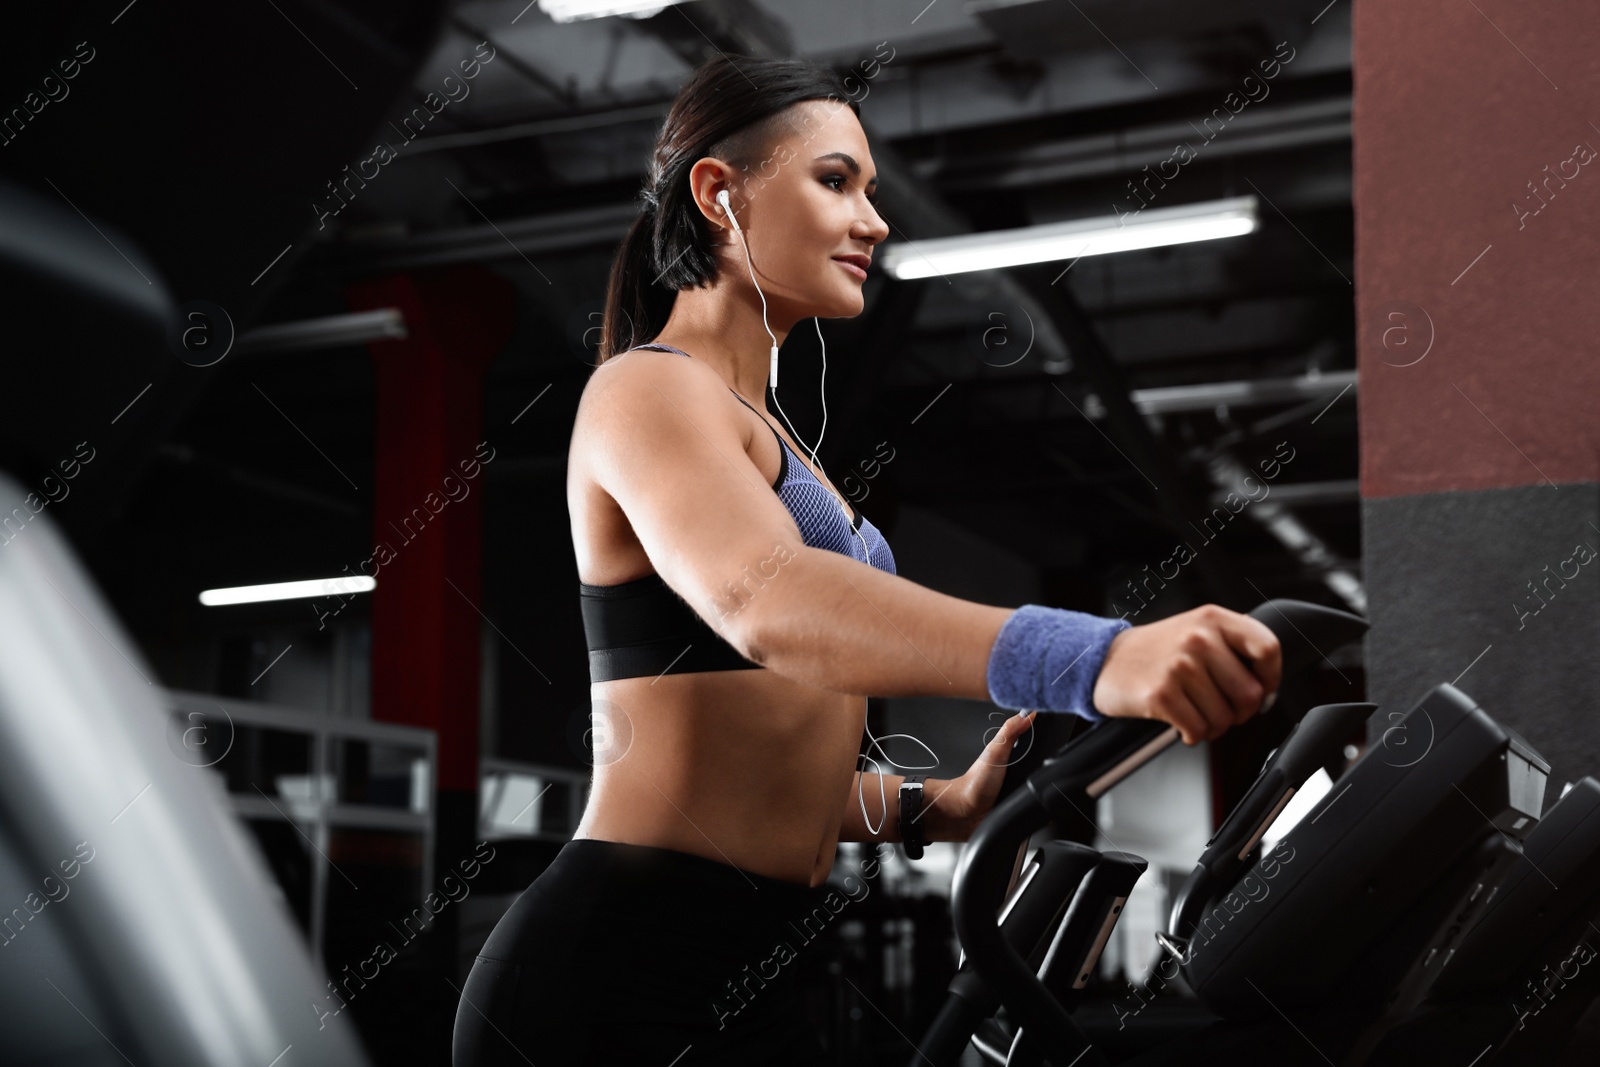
[1049,659]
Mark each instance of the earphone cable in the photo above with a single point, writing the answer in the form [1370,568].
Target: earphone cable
[815,467]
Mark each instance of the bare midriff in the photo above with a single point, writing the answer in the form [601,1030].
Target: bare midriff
[745,767]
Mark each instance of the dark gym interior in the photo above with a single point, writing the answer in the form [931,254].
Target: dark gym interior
[310,289]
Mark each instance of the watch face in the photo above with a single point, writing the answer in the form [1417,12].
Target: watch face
[911,832]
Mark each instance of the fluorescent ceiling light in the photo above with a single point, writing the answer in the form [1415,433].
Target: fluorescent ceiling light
[573,10]
[1149,228]
[250,594]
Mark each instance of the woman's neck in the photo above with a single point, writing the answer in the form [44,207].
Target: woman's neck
[725,332]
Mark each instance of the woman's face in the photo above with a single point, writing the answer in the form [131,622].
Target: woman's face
[804,205]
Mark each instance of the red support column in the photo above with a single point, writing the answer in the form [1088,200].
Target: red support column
[1477,197]
[427,544]
[427,552]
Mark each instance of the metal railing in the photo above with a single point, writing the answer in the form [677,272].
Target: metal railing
[514,801]
[320,791]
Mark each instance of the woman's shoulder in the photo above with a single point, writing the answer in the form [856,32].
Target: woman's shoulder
[646,367]
[635,390]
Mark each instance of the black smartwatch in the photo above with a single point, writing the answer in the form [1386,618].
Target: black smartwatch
[912,831]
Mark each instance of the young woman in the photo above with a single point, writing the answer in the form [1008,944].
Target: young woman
[739,612]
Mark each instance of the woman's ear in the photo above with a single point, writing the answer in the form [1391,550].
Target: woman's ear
[709,177]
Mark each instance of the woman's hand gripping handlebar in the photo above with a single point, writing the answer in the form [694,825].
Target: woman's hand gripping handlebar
[1202,672]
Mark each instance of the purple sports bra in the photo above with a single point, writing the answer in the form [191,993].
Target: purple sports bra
[641,627]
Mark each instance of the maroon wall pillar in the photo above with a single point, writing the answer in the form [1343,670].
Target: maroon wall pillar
[426,512]
[1477,206]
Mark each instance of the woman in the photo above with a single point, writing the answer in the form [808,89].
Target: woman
[739,611]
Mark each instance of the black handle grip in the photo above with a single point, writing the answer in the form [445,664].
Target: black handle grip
[1067,782]
[1052,879]
[1082,935]
[1314,741]
[1114,749]
[1317,739]
[978,890]
[1079,940]
[1307,632]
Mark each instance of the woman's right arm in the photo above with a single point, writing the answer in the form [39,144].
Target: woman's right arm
[670,449]
[669,446]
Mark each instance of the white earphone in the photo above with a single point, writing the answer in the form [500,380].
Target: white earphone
[727,209]
[722,198]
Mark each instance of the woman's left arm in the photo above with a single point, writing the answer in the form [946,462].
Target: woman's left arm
[951,807]
[877,790]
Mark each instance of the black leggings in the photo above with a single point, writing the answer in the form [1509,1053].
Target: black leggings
[624,954]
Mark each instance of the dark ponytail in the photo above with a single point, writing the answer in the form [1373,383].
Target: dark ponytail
[728,109]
